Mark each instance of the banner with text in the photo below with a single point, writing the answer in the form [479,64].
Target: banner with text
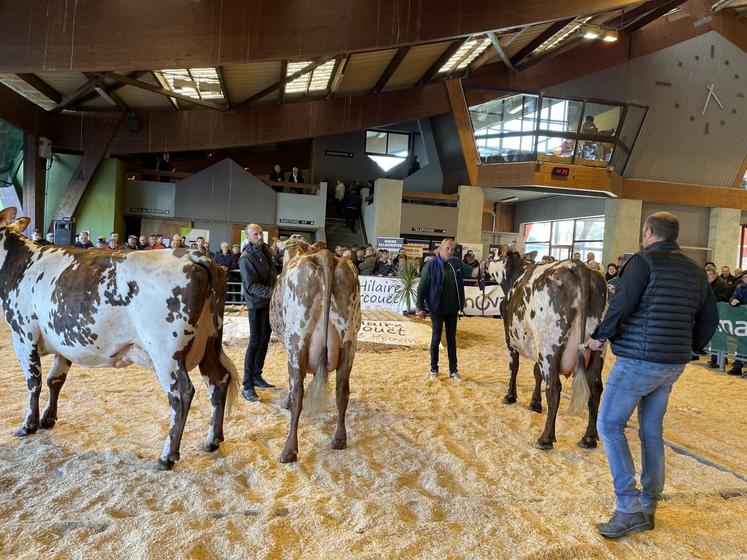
[391,244]
[731,335]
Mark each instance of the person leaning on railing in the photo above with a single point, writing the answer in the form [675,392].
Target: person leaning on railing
[739,297]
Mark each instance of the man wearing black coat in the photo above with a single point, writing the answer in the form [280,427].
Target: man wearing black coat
[258,276]
[663,310]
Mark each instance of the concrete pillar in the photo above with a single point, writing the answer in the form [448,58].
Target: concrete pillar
[723,236]
[622,228]
[388,211]
[469,216]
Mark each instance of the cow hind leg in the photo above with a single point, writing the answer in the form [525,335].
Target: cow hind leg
[296,377]
[552,392]
[28,356]
[55,381]
[536,403]
[594,379]
[342,395]
[177,385]
[513,368]
[218,380]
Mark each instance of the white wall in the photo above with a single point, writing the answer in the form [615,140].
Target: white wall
[295,208]
[428,216]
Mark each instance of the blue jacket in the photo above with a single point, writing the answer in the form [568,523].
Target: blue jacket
[740,293]
[430,287]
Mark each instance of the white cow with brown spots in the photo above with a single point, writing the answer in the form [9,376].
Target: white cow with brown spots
[315,311]
[548,311]
[162,310]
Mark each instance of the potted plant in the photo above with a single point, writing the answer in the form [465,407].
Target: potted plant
[407,273]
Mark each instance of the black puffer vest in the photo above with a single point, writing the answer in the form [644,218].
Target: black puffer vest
[661,327]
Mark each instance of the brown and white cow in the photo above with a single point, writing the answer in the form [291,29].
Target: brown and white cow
[316,312]
[162,310]
[548,311]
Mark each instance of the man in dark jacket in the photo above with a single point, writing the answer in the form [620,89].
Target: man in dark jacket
[663,309]
[257,267]
[352,206]
[441,290]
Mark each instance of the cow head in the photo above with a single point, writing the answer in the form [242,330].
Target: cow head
[507,265]
[293,247]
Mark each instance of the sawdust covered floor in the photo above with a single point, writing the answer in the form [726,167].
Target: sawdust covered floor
[433,470]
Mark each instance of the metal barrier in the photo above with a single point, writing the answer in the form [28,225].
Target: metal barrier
[233,293]
[730,338]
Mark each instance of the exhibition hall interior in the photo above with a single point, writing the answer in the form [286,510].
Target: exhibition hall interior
[460,279]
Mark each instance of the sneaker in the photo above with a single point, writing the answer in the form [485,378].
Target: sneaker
[455,376]
[433,374]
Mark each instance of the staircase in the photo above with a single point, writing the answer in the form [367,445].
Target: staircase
[337,232]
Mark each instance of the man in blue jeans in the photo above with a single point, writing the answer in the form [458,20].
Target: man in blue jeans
[662,310]
[441,290]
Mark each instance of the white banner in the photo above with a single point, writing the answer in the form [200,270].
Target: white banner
[400,333]
[380,294]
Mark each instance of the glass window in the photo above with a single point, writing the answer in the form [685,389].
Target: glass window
[539,231]
[541,248]
[590,229]
[601,118]
[387,149]
[561,238]
[634,116]
[560,115]
[498,125]
[586,247]
[397,145]
[593,153]
[562,232]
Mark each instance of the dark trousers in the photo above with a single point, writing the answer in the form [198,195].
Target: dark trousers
[259,340]
[438,322]
[351,216]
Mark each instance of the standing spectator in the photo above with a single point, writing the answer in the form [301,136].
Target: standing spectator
[84,242]
[176,242]
[154,243]
[721,292]
[224,257]
[338,250]
[236,250]
[382,266]
[400,254]
[591,262]
[114,241]
[739,297]
[114,246]
[352,206]
[368,262]
[101,243]
[737,275]
[161,240]
[50,238]
[339,192]
[727,277]
[132,244]
[654,323]
[296,177]
[611,272]
[415,165]
[257,266]
[203,247]
[401,261]
[38,239]
[576,257]
[589,126]
[347,254]
[165,167]
[277,175]
[470,259]
[441,291]
[142,243]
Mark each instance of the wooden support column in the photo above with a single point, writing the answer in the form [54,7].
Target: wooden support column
[34,175]
[98,132]
[464,128]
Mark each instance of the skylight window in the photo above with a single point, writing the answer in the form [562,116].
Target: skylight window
[318,80]
[200,83]
[464,55]
[567,31]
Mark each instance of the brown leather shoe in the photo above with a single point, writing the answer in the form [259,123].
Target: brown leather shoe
[622,523]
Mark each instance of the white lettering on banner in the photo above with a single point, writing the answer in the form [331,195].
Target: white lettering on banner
[380,294]
[401,333]
[734,328]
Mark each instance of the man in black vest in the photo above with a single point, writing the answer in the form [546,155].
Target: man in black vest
[662,310]
[258,276]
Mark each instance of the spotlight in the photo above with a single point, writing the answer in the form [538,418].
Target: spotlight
[610,36]
[591,34]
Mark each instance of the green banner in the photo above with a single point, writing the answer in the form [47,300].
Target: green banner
[731,335]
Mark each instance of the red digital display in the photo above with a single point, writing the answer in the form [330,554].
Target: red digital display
[560,171]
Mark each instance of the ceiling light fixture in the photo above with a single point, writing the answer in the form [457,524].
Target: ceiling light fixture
[590,32]
[510,199]
[610,36]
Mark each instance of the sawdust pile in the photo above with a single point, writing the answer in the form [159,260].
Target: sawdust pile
[433,470]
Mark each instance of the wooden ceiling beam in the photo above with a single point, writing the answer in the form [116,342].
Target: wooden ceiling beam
[281,83]
[163,91]
[209,34]
[652,15]
[164,84]
[628,17]
[41,86]
[113,88]
[338,76]
[219,71]
[441,60]
[20,112]
[499,51]
[391,68]
[529,48]
[109,97]
[75,97]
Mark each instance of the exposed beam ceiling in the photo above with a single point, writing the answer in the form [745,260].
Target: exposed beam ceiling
[109,97]
[529,48]
[499,50]
[338,76]
[163,91]
[76,96]
[41,86]
[113,88]
[222,80]
[165,85]
[390,69]
[652,15]
[134,34]
[441,60]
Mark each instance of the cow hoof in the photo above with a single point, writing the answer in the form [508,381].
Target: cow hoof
[542,444]
[47,423]
[339,443]
[24,431]
[288,457]
[588,442]
[535,407]
[162,465]
[211,447]
[509,400]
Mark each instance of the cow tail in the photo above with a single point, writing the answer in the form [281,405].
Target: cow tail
[317,396]
[580,388]
[217,299]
